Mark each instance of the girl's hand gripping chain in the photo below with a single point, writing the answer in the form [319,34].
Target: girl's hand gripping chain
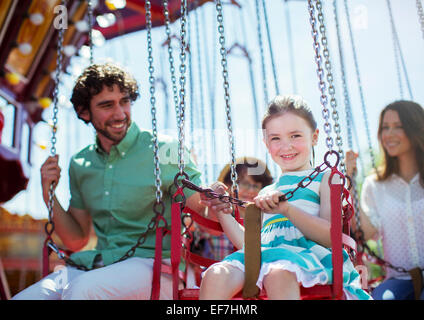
[272,202]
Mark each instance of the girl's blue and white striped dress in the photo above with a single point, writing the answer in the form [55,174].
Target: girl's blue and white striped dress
[285,247]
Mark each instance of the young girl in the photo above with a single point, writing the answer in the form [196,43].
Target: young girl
[392,199]
[295,234]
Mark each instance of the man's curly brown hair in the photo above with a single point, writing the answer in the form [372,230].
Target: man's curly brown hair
[92,80]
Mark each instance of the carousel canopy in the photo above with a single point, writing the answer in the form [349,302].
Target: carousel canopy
[28,40]
[28,54]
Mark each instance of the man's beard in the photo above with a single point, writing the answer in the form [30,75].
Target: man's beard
[116,138]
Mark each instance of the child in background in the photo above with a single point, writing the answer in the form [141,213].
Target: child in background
[252,176]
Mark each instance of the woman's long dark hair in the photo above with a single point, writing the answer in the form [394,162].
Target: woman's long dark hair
[411,116]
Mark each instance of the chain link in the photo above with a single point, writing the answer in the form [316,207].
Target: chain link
[302,184]
[271,51]
[261,50]
[331,88]
[90,30]
[223,51]
[420,12]
[200,86]
[171,59]
[158,207]
[400,61]
[320,72]
[183,67]
[350,120]
[49,226]
[348,109]
[308,179]
[358,79]
[158,182]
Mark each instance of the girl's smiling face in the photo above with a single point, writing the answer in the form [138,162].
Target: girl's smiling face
[289,139]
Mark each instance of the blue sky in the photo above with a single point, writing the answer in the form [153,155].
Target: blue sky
[376,60]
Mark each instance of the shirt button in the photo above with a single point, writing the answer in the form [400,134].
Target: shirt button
[107,193]
[110,166]
[123,153]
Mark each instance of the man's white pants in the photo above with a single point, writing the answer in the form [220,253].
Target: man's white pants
[129,279]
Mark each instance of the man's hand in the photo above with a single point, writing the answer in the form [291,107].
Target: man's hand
[217,205]
[50,173]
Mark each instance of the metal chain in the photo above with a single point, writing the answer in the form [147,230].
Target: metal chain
[398,51]
[320,72]
[350,120]
[90,30]
[257,119]
[200,86]
[290,46]
[271,51]
[346,96]
[212,194]
[49,226]
[348,108]
[223,51]
[192,94]
[358,79]
[261,50]
[183,67]
[158,182]
[211,79]
[305,182]
[308,179]
[420,12]
[158,207]
[171,59]
[331,88]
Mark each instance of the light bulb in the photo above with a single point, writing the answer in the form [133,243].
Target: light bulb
[25,48]
[98,38]
[13,78]
[45,102]
[115,4]
[82,26]
[69,50]
[36,18]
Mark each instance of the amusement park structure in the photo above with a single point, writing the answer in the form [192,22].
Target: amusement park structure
[39,38]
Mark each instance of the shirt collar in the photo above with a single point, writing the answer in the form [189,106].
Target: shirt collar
[125,144]
[413,180]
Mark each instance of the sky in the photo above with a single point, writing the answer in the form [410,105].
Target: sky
[296,73]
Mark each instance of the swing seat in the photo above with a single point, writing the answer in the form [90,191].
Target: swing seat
[317,292]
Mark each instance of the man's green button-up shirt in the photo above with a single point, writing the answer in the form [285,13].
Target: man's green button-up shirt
[118,190]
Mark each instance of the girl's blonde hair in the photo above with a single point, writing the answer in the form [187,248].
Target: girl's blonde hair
[289,103]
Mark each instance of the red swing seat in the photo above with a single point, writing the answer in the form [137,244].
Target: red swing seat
[339,238]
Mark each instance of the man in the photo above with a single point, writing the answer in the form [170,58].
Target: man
[112,188]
